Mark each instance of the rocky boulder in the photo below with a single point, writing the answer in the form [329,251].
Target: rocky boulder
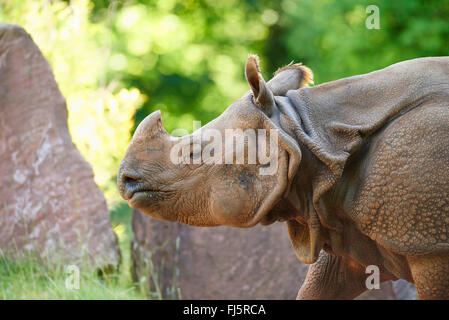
[215,263]
[50,205]
[177,261]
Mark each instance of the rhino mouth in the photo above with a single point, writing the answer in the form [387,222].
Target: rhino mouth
[137,191]
[138,198]
[141,198]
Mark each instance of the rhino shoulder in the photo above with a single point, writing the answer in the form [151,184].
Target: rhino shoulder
[403,200]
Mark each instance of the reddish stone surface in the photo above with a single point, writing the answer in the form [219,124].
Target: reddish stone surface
[215,263]
[221,262]
[49,202]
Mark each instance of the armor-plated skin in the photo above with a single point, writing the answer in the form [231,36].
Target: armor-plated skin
[362,179]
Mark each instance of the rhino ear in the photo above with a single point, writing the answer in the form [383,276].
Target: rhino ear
[290,77]
[263,97]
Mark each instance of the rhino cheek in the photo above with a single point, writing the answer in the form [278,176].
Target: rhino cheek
[232,208]
[159,214]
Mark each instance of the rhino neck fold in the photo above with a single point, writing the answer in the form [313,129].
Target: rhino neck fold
[304,225]
[300,199]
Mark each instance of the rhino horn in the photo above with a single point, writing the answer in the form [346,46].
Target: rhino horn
[151,126]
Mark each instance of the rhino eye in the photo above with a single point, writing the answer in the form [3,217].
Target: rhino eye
[195,155]
[195,150]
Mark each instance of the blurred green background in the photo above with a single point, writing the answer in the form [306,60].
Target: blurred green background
[117,61]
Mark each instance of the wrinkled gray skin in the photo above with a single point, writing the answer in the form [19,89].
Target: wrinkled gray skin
[362,179]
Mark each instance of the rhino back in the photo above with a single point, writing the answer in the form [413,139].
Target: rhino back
[403,199]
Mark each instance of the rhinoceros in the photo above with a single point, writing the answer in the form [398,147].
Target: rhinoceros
[361,173]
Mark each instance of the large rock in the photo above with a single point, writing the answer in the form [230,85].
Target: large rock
[50,205]
[215,263]
[178,261]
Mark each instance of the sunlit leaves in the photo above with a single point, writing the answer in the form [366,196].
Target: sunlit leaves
[101,130]
[331,37]
[187,56]
[101,112]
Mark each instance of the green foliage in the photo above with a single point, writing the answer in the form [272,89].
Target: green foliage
[187,56]
[101,112]
[331,38]
[30,279]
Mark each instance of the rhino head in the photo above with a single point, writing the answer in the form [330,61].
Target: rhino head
[191,179]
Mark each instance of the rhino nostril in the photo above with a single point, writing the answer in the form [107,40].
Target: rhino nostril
[131,182]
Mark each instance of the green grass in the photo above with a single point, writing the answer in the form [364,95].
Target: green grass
[29,278]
